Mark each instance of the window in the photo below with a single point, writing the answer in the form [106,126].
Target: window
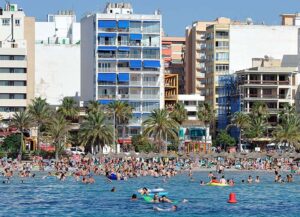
[12,70]
[151,27]
[5,22]
[17,22]
[222,67]
[222,56]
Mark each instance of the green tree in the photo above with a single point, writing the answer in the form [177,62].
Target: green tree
[11,143]
[94,106]
[57,129]
[160,126]
[257,129]
[287,132]
[95,131]
[21,120]
[179,113]
[142,143]
[69,108]
[225,140]
[206,114]
[260,109]
[122,113]
[241,121]
[40,112]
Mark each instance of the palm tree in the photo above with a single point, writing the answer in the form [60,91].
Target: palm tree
[94,106]
[57,129]
[21,120]
[69,108]
[257,128]
[241,121]
[40,112]
[122,113]
[94,131]
[179,113]
[160,125]
[206,114]
[287,131]
[260,109]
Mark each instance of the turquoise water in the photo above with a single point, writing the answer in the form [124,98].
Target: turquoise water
[50,197]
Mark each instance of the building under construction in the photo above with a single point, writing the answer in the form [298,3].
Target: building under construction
[229,102]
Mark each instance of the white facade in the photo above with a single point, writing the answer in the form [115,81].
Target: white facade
[121,60]
[16,59]
[256,41]
[57,72]
[191,103]
[58,57]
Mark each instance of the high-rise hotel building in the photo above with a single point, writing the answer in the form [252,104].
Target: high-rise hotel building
[121,60]
[17,57]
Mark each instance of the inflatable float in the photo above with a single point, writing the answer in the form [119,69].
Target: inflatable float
[113,177]
[216,184]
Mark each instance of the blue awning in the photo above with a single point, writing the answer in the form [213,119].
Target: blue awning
[105,101]
[109,77]
[123,24]
[151,63]
[135,64]
[109,35]
[124,49]
[107,24]
[107,48]
[123,77]
[135,37]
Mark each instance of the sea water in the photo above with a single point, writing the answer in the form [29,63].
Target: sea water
[51,197]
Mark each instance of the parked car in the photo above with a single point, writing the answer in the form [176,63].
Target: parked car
[75,150]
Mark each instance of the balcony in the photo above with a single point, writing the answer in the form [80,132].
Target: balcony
[107,56]
[151,96]
[113,69]
[135,83]
[267,82]
[106,96]
[150,84]
[134,96]
[145,56]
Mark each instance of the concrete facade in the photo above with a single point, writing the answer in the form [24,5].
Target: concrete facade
[121,60]
[58,57]
[17,57]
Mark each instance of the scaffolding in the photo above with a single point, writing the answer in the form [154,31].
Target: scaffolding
[229,102]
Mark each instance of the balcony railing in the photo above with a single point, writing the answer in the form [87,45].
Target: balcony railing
[268,82]
[150,96]
[151,56]
[135,83]
[268,96]
[113,69]
[134,96]
[106,96]
[106,55]
[149,83]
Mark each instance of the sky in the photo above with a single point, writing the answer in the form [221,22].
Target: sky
[177,14]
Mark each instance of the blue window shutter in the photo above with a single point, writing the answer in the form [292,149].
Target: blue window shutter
[151,64]
[135,64]
[107,24]
[135,37]
[123,24]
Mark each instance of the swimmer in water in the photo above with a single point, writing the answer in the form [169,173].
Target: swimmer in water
[202,183]
[113,189]
[134,197]
[172,209]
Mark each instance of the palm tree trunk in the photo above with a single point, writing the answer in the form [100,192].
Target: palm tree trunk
[240,140]
[123,135]
[21,146]
[56,151]
[38,139]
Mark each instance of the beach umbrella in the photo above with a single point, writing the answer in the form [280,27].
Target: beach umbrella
[214,155]
[230,156]
[173,155]
[132,154]
[222,154]
[206,156]
[89,155]
[151,155]
[293,155]
[142,155]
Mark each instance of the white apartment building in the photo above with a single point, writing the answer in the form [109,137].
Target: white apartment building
[121,60]
[57,46]
[17,57]
[191,103]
